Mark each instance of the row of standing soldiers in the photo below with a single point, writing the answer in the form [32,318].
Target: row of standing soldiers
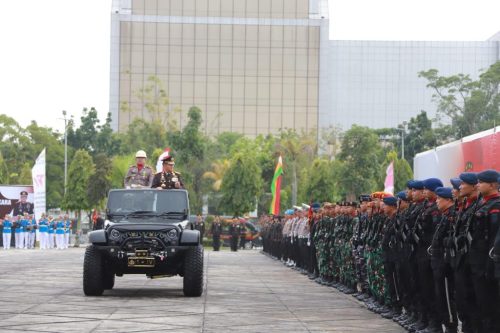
[428,257]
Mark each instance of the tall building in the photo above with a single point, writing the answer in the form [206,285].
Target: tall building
[376,83]
[257,66]
[251,66]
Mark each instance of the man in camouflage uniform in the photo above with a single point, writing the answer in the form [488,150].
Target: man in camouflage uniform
[359,232]
[373,255]
[140,174]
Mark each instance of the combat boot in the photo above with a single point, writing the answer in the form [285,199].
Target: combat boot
[429,329]
[450,329]
[419,325]
[363,297]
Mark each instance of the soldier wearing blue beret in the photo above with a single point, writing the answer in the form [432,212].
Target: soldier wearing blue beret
[390,256]
[455,183]
[484,253]
[467,308]
[422,235]
[441,253]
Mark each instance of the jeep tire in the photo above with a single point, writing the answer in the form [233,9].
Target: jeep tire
[93,273]
[108,279]
[193,272]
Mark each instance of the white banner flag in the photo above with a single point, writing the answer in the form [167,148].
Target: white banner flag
[389,179]
[39,181]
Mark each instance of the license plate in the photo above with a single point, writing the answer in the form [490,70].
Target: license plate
[141,262]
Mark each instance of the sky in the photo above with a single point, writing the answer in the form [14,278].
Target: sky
[55,53]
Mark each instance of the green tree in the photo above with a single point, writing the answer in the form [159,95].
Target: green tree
[156,101]
[4,171]
[85,137]
[100,182]
[42,137]
[420,137]
[295,149]
[219,168]
[80,171]
[14,146]
[190,145]
[119,168]
[25,175]
[223,143]
[320,182]
[361,158]
[107,142]
[241,185]
[143,135]
[472,105]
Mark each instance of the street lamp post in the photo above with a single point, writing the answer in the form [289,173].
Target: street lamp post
[403,130]
[65,152]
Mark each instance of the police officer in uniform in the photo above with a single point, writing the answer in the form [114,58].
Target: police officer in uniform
[21,207]
[167,179]
[140,174]
[234,231]
[216,230]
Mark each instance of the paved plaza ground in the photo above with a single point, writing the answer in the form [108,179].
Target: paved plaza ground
[41,291]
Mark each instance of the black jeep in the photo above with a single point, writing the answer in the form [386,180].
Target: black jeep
[147,231]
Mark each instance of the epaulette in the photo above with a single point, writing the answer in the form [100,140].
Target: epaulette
[177,173]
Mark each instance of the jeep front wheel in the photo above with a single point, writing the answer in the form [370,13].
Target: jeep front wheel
[93,272]
[108,281]
[193,272]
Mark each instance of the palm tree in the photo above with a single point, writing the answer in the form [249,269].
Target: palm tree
[293,148]
[219,168]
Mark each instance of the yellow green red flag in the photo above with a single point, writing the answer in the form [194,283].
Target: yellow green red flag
[276,188]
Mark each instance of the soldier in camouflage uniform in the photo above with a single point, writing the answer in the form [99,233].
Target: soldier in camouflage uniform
[352,222]
[359,232]
[140,174]
[375,265]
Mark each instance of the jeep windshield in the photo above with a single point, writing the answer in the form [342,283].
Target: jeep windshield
[148,204]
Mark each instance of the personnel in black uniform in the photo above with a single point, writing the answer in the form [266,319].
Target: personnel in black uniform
[483,232]
[167,179]
[444,286]
[200,225]
[216,230]
[424,231]
[234,232]
[467,307]
[21,207]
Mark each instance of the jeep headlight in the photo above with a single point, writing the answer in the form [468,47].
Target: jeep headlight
[172,234]
[114,235]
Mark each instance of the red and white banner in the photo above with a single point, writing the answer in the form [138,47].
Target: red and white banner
[474,153]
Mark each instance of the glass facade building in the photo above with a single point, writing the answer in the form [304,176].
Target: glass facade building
[251,66]
[376,83]
[258,66]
